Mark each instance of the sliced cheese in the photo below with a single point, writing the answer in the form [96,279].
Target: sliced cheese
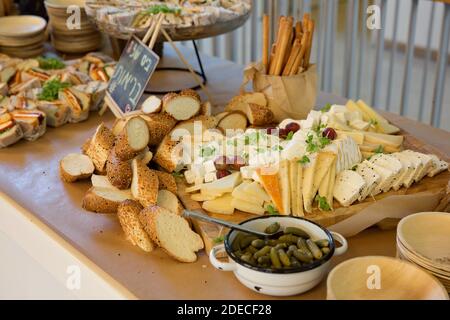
[272,186]
[221,205]
[221,186]
[371,178]
[254,189]
[246,206]
[416,164]
[382,124]
[293,176]
[391,163]
[308,185]
[348,187]
[323,188]
[426,160]
[383,139]
[324,161]
[407,178]
[299,190]
[192,189]
[332,181]
[438,166]
[240,194]
[283,175]
[355,135]
[385,174]
[200,198]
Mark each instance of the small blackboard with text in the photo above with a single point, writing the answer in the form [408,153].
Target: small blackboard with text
[131,76]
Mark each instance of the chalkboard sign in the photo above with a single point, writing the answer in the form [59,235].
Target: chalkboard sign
[133,71]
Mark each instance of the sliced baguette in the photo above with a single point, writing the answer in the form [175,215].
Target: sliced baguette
[221,115]
[152,104]
[182,106]
[252,97]
[257,115]
[172,233]
[100,146]
[159,125]
[169,201]
[166,155]
[102,200]
[144,185]
[206,109]
[166,181]
[75,167]
[233,121]
[145,156]
[119,172]
[133,139]
[128,214]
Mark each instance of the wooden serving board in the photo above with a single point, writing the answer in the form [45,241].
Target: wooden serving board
[210,232]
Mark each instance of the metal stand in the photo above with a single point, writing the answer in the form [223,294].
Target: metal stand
[201,73]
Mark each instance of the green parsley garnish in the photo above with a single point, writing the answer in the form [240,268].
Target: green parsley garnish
[277,148]
[324,141]
[304,160]
[373,122]
[326,108]
[163,9]
[218,239]
[50,63]
[380,149]
[289,136]
[271,210]
[51,89]
[323,204]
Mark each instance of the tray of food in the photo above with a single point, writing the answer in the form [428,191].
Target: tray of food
[237,165]
[41,92]
[183,20]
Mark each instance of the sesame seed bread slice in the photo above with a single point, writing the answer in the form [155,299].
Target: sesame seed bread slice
[128,214]
[144,185]
[133,139]
[166,181]
[119,172]
[169,201]
[172,233]
[104,200]
[182,106]
[101,144]
[159,125]
[75,167]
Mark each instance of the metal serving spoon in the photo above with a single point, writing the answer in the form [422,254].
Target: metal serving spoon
[231,225]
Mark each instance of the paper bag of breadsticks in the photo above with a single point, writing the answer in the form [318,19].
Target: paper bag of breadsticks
[289,97]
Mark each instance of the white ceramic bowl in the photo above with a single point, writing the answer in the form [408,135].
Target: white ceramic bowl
[286,282]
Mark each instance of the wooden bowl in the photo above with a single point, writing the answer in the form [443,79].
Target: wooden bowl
[382,278]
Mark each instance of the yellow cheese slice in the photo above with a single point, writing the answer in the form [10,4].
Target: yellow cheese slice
[272,186]
[221,205]
[293,177]
[299,190]
[323,163]
[308,185]
[331,183]
[283,174]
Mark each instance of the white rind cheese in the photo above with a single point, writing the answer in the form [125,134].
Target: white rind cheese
[371,178]
[390,163]
[348,187]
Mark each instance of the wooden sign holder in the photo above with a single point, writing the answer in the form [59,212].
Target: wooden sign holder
[150,37]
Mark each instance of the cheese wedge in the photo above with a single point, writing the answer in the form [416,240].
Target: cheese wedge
[416,164]
[221,186]
[331,182]
[299,191]
[272,186]
[348,187]
[247,206]
[371,178]
[221,205]
[426,161]
[324,186]
[386,177]
[438,166]
[383,139]
[293,177]
[308,185]
[283,175]
[407,178]
[254,189]
[355,135]
[200,198]
[195,188]
[324,162]
[382,124]
[391,163]
[240,194]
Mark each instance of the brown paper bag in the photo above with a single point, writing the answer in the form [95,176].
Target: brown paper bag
[288,96]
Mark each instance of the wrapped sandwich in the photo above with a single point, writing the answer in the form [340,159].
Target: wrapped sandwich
[33,123]
[10,131]
[78,102]
[57,112]
[97,91]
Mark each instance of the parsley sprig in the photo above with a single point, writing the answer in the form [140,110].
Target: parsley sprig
[50,63]
[51,89]
[271,210]
[323,204]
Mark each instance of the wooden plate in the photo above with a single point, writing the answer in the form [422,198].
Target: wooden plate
[427,235]
[21,26]
[20,42]
[63,4]
[357,279]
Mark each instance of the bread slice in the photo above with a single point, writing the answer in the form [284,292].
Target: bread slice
[221,115]
[75,167]
[172,233]
[251,97]
[233,121]
[145,156]
[165,155]
[103,200]
[159,125]
[133,139]
[206,108]
[128,214]
[152,104]
[182,106]
[101,144]
[169,201]
[257,115]
[144,185]
[85,146]
[119,172]
[166,181]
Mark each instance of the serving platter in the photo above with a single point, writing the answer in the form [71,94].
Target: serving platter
[436,185]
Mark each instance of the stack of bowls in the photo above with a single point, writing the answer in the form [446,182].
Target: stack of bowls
[22,36]
[424,240]
[67,35]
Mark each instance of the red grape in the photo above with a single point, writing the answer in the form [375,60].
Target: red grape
[221,163]
[329,133]
[283,133]
[222,174]
[292,127]
[272,130]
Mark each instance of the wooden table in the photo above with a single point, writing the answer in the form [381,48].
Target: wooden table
[30,177]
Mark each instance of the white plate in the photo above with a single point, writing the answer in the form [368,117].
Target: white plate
[21,26]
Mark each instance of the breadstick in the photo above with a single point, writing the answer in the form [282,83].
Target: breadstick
[272,56]
[281,23]
[298,30]
[299,58]
[293,55]
[285,35]
[266,31]
[309,45]
[289,48]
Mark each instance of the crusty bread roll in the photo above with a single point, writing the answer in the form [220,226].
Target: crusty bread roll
[128,214]
[75,167]
[159,125]
[119,172]
[182,106]
[172,233]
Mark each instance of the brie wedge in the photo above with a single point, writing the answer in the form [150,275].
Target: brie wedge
[348,187]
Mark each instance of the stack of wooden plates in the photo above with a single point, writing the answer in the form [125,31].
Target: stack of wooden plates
[68,33]
[424,240]
[22,36]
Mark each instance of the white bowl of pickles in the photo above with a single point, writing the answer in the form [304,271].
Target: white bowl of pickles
[290,264]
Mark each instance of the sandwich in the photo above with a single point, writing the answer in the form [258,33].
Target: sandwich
[31,83]
[38,73]
[10,132]
[57,112]
[78,102]
[97,91]
[32,122]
